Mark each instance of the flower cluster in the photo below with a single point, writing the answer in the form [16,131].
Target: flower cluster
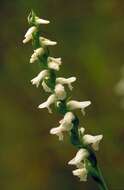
[58,98]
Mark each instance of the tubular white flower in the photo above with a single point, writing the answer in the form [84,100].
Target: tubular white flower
[45,87]
[51,99]
[81,173]
[81,155]
[39,77]
[65,125]
[72,105]
[67,81]
[47,42]
[41,21]
[38,52]
[93,140]
[28,35]
[54,63]
[81,131]
[60,92]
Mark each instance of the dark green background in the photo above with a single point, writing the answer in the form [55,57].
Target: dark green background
[90,35]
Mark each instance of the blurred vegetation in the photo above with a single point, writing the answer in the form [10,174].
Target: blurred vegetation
[91,44]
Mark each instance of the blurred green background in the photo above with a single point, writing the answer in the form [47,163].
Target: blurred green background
[90,35]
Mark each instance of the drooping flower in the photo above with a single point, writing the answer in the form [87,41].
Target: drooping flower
[72,105]
[93,140]
[65,125]
[36,81]
[67,81]
[51,99]
[46,42]
[28,35]
[60,92]
[81,173]
[54,63]
[37,53]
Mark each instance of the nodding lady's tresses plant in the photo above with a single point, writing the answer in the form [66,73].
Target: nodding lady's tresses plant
[85,158]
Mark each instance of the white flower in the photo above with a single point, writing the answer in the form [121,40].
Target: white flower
[65,125]
[60,92]
[93,140]
[39,77]
[81,173]
[38,52]
[47,42]
[41,21]
[28,35]
[72,105]
[81,155]
[58,131]
[51,99]
[45,87]
[54,63]
[67,81]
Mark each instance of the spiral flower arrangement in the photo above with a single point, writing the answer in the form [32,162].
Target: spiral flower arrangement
[85,159]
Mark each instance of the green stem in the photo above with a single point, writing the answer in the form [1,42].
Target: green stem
[102,184]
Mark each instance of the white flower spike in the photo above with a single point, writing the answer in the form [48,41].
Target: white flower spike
[54,63]
[93,140]
[28,35]
[67,81]
[51,99]
[81,173]
[47,42]
[36,81]
[41,21]
[72,105]
[86,144]
[81,155]
[60,92]
[37,53]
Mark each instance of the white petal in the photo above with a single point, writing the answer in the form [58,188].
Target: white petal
[60,92]
[81,155]
[51,99]
[72,105]
[81,173]
[93,140]
[54,63]
[57,131]
[68,118]
[27,39]
[30,31]
[41,21]
[39,77]
[47,42]
[37,52]
[67,81]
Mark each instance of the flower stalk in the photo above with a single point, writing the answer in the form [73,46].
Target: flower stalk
[85,158]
